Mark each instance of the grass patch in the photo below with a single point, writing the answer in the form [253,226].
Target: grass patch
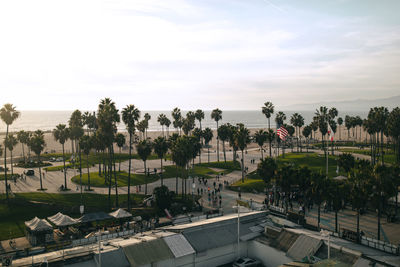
[93,160]
[229,165]
[253,175]
[313,161]
[9,178]
[25,206]
[389,156]
[249,185]
[122,178]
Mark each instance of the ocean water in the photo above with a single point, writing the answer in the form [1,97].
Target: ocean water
[47,120]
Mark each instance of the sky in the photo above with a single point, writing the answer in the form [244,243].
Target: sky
[230,54]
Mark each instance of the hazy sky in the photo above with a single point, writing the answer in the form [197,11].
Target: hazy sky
[231,54]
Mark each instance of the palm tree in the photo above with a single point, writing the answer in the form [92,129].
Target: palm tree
[270,138]
[61,134]
[181,152]
[348,124]
[120,140]
[260,137]
[242,139]
[160,146]
[107,119]
[8,115]
[199,115]
[177,116]
[268,110]
[360,189]
[147,118]
[86,144]
[216,115]
[208,135]
[161,119]
[314,127]
[23,138]
[394,131]
[223,135]
[319,189]
[266,169]
[199,135]
[280,120]
[346,161]
[340,122]
[291,131]
[323,118]
[130,116]
[336,195]
[298,121]
[37,145]
[285,177]
[10,144]
[167,123]
[333,125]
[144,150]
[306,133]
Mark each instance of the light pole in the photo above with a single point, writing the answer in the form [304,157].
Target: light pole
[326,234]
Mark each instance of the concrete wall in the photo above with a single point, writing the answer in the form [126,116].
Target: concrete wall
[269,256]
[220,256]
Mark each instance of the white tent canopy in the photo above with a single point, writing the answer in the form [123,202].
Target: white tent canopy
[60,219]
[37,224]
[340,178]
[120,213]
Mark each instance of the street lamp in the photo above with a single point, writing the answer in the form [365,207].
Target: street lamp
[326,234]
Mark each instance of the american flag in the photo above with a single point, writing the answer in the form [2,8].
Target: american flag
[282,133]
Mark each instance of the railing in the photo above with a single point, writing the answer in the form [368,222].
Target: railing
[94,239]
[381,245]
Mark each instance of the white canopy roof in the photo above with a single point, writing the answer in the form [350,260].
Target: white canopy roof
[120,213]
[60,219]
[340,178]
[37,224]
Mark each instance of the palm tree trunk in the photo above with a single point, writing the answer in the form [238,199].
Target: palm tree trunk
[115,181]
[242,167]
[23,152]
[217,144]
[208,154]
[129,171]
[382,152]
[109,177]
[145,178]
[65,175]
[5,165]
[40,173]
[261,150]
[176,179]
[119,163]
[336,221]
[319,215]
[161,172]
[358,225]
[12,167]
[270,148]
[223,146]
[183,193]
[88,173]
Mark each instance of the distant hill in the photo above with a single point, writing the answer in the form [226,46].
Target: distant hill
[351,105]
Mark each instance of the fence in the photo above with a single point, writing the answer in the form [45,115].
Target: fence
[94,239]
[381,245]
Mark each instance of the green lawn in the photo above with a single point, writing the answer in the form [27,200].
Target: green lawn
[138,179]
[25,206]
[229,165]
[389,157]
[249,185]
[93,159]
[122,178]
[313,161]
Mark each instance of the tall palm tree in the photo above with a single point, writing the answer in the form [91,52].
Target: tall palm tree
[10,144]
[268,110]
[86,144]
[323,119]
[394,131]
[167,123]
[270,137]
[107,119]
[260,137]
[161,119]
[199,115]
[298,121]
[147,118]
[130,116]
[37,145]
[242,139]
[8,115]
[144,150]
[340,122]
[160,146]
[120,140]
[23,138]
[285,177]
[216,115]
[306,133]
[208,135]
[223,135]
[319,189]
[280,120]
[177,116]
[61,134]
[199,135]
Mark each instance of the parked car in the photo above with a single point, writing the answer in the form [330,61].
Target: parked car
[247,262]
[59,159]
[52,159]
[30,172]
